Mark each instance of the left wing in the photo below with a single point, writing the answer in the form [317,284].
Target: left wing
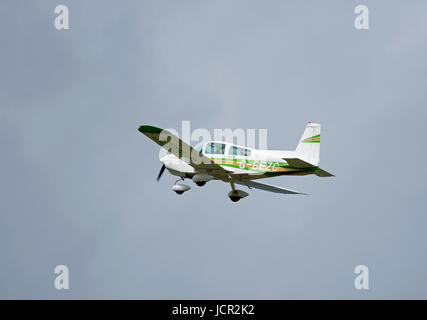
[180,149]
[267,187]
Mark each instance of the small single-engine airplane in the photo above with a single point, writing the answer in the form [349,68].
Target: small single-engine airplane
[233,164]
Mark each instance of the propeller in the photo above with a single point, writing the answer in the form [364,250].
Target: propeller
[162,169]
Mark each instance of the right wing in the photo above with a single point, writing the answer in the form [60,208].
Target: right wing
[267,187]
[180,149]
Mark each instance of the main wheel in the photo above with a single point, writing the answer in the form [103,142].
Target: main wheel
[201,183]
[234,198]
[179,192]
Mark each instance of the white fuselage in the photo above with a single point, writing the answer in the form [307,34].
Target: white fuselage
[233,158]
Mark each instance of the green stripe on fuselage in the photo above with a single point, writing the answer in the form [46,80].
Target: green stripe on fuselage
[266,166]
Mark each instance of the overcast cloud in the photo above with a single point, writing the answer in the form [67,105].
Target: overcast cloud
[78,180]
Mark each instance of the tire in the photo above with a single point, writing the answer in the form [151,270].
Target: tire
[179,192]
[234,198]
[201,183]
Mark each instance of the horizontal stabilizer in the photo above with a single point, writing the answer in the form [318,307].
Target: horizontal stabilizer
[297,163]
[322,173]
[267,187]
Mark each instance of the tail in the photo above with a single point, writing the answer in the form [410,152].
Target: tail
[308,148]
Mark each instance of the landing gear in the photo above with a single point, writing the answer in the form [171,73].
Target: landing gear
[201,178]
[236,194]
[180,188]
[234,198]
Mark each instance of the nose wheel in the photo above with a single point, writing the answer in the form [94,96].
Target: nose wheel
[180,188]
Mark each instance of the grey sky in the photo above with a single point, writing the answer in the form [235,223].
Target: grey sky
[78,181]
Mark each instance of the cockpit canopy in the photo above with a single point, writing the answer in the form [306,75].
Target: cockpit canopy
[215,148]
[220,148]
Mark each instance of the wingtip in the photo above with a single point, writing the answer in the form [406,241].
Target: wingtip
[149,129]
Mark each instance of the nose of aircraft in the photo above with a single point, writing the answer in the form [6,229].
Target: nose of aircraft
[163,159]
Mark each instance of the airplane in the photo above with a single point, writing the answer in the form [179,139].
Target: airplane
[234,164]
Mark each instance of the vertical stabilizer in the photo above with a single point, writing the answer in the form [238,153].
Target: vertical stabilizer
[308,148]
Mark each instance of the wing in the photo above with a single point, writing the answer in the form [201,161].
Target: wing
[267,187]
[180,149]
